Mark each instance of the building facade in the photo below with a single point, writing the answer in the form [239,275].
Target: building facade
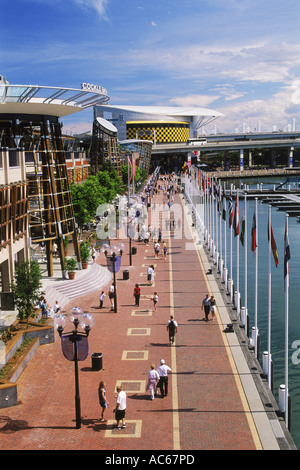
[162,124]
[35,171]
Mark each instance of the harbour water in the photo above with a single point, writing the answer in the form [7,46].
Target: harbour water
[278,291]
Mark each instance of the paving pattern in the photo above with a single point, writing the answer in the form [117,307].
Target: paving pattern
[205,407]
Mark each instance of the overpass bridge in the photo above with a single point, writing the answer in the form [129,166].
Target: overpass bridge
[234,142]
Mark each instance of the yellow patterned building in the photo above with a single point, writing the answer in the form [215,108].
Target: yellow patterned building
[164,132]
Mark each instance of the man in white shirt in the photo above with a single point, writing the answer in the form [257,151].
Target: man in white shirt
[120,408]
[163,370]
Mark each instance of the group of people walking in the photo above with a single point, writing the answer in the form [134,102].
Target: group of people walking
[209,306]
[157,376]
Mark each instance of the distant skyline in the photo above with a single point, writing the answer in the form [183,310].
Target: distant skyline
[238,57]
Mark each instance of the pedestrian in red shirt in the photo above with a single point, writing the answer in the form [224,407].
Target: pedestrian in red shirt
[137,294]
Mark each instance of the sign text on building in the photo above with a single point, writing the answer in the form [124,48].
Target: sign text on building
[94,88]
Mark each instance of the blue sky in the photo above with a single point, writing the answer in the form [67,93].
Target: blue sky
[239,57]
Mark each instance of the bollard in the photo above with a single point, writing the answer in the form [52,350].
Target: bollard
[244,317]
[230,288]
[221,262]
[237,302]
[225,276]
[265,360]
[281,398]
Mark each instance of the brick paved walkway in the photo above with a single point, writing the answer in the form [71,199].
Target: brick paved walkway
[205,408]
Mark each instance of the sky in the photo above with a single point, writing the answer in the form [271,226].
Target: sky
[238,57]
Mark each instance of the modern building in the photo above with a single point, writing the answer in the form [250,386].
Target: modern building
[14,243]
[142,148]
[35,193]
[161,124]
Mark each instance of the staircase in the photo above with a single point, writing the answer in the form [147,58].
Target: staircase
[66,290]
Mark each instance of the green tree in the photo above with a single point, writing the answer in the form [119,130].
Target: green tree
[95,190]
[26,288]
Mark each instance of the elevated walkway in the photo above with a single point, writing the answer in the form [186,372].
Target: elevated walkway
[216,399]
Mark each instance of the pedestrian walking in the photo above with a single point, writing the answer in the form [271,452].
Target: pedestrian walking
[55,249]
[94,251]
[120,409]
[154,300]
[150,274]
[102,400]
[213,307]
[163,370]
[165,250]
[45,309]
[111,296]
[153,379]
[137,294]
[101,298]
[156,250]
[172,329]
[56,308]
[206,306]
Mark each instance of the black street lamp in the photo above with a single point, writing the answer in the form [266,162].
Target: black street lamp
[75,345]
[113,259]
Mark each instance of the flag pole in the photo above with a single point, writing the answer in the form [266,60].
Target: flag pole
[246,256]
[217,229]
[269,302]
[220,225]
[231,273]
[237,255]
[213,217]
[225,241]
[286,329]
[256,276]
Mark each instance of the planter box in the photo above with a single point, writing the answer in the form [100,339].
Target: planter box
[40,335]
[8,395]
[44,333]
[8,388]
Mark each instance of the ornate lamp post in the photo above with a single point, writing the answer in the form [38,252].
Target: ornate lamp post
[113,259]
[75,345]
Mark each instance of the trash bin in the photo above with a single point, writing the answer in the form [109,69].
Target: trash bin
[97,361]
[125,275]
[133,250]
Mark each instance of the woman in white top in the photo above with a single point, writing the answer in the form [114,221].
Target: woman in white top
[154,300]
[153,378]
[150,275]
[111,295]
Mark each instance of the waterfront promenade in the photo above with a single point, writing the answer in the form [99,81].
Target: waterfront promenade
[216,398]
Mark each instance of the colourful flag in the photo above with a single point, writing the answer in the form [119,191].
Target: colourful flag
[236,221]
[253,233]
[273,245]
[242,236]
[287,254]
[129,163]
[133,166]
[224,208]
[230,210]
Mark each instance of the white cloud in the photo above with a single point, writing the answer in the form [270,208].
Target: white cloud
[256,62]
[277,110]
[153,23]
[193,100]
[98,5]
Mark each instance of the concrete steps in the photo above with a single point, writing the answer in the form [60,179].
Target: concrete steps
[66,290]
